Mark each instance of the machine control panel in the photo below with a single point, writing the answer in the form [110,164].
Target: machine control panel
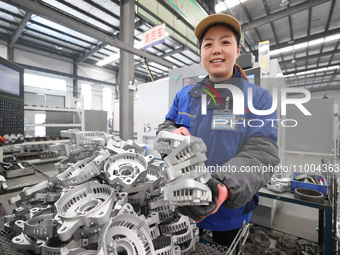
[11,103]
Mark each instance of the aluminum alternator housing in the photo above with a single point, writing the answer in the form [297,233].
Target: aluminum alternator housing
[86,137]
[84,205]
[83,170]
[189,190]
[127,169]
[126,233]
[185,174]
[165,142]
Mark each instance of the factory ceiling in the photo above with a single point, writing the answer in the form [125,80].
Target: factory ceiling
[304,35]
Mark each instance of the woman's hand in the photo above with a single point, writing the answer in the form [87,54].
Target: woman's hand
[181,131]
[198,212]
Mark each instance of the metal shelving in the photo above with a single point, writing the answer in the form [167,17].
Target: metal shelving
[44,142]
[55,109]
[80,113]
[54,125]
[78,122]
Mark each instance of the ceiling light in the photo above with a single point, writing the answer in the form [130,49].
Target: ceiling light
[300,45]
[323,69]
[278,51]
[291,42]
[107,60]
[315,42]
[305,44]
[293,61]
[284,3]
[333,67]
[332,38]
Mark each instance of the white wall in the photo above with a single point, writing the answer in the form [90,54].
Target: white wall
[3,49]
[96,73]
[28,58]
[97,97]
[116,115]
[330,93]
[152,106]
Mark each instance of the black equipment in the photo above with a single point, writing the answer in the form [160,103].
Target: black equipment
[11,103]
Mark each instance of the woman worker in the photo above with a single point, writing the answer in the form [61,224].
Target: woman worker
[233,144]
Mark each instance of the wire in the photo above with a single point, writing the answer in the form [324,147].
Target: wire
[40,171]
[147,68]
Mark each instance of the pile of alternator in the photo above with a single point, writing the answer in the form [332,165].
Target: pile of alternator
[109,198]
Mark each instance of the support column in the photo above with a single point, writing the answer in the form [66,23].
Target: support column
[75,80]
[10,53]
[126,70]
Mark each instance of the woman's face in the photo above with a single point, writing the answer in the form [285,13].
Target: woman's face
[219,52]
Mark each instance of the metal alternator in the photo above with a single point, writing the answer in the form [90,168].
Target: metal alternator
[108,198]
[185,172]
[84,205]
[126,169]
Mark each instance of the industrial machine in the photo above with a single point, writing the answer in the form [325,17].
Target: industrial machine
[11,107]
[11,103]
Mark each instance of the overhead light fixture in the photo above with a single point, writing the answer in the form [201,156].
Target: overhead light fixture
[323,69]
[284,3]
[293,61]
[108,60]
[282,50]
[332,38]
[306,44]
[300,46]
[316,42]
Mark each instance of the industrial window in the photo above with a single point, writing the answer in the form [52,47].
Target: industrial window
[44,82]
[40,118]
[86,92]
[107,100]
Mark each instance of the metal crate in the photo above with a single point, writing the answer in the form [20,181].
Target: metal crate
[236,248]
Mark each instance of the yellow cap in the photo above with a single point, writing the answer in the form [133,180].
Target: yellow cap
[217,19]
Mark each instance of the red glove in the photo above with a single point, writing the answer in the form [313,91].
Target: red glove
[198,212]
[181,131]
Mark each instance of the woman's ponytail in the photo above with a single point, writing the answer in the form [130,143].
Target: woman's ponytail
[240,70]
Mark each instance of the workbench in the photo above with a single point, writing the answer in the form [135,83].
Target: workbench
[17,184]
[325,215]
